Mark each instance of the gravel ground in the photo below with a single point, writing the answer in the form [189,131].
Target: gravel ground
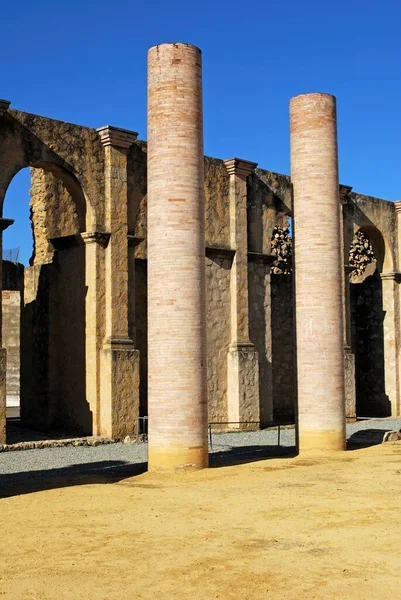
[33,469]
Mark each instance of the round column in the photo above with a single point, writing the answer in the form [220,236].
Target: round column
[318,276]
[177,390]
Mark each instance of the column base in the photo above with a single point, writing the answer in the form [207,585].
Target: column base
[243,387]
[3,369]
[320,442]
[178,459]
[119,391]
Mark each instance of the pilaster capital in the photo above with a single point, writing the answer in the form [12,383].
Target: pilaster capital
[4,223]
[345,190]
[96,237]
[259,257]
[118,343]
[4,106]
[393,276]
[133,240]
[397,206]
[116,137]
[239,167]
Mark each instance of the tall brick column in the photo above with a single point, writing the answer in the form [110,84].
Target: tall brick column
[177,397]
[318,273]
[242,359]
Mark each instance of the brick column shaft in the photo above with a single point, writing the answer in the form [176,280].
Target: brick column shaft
[177,397]
[318,273]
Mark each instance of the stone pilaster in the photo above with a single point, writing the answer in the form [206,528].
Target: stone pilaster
[95,244]
[318,273]
[242,358]
[119,360]
[4,223]
[391,334]
[397,206]
[349,357]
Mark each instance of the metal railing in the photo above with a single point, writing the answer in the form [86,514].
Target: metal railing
[143,427]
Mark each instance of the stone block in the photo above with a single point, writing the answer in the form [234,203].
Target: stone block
[119,392]
[243,387]
[3,369]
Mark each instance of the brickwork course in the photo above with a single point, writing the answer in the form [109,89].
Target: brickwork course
[177,383]
[318,273]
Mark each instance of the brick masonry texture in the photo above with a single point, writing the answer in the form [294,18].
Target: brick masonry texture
[177,379]
[318,273]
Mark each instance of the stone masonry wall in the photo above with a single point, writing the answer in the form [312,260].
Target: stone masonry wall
[11,307]
[53,213]
[218,334]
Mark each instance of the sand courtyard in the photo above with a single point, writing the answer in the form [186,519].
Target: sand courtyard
[283,528]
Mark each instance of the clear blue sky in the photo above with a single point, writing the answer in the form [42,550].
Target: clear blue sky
[85,62]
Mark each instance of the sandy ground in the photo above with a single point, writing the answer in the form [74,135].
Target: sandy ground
[282,529]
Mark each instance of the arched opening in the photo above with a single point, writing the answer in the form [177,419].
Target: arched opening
[367,256]
[49,210]
[282,321]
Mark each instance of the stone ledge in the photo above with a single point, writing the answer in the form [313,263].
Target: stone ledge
[40,444]
[266,259]
[213,251]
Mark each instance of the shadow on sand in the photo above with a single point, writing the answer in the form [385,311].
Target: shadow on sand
[107,471]
[366,438]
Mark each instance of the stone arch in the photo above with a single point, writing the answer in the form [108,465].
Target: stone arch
[370,258]
[69,180]
[53,318]
[381,247]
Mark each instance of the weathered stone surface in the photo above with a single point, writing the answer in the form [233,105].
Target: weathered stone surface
[85,296]
[392,436]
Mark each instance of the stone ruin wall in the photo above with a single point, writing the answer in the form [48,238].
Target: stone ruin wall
[55,215]
[13,281]
[54,310]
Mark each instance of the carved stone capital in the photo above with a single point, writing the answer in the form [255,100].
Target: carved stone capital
[259,257]
[96,237]
[345,190]
[397,206]
[4,106]
[239,167]
[133,240]
[118,343]
[117,137]
[4,223]
[393,276]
